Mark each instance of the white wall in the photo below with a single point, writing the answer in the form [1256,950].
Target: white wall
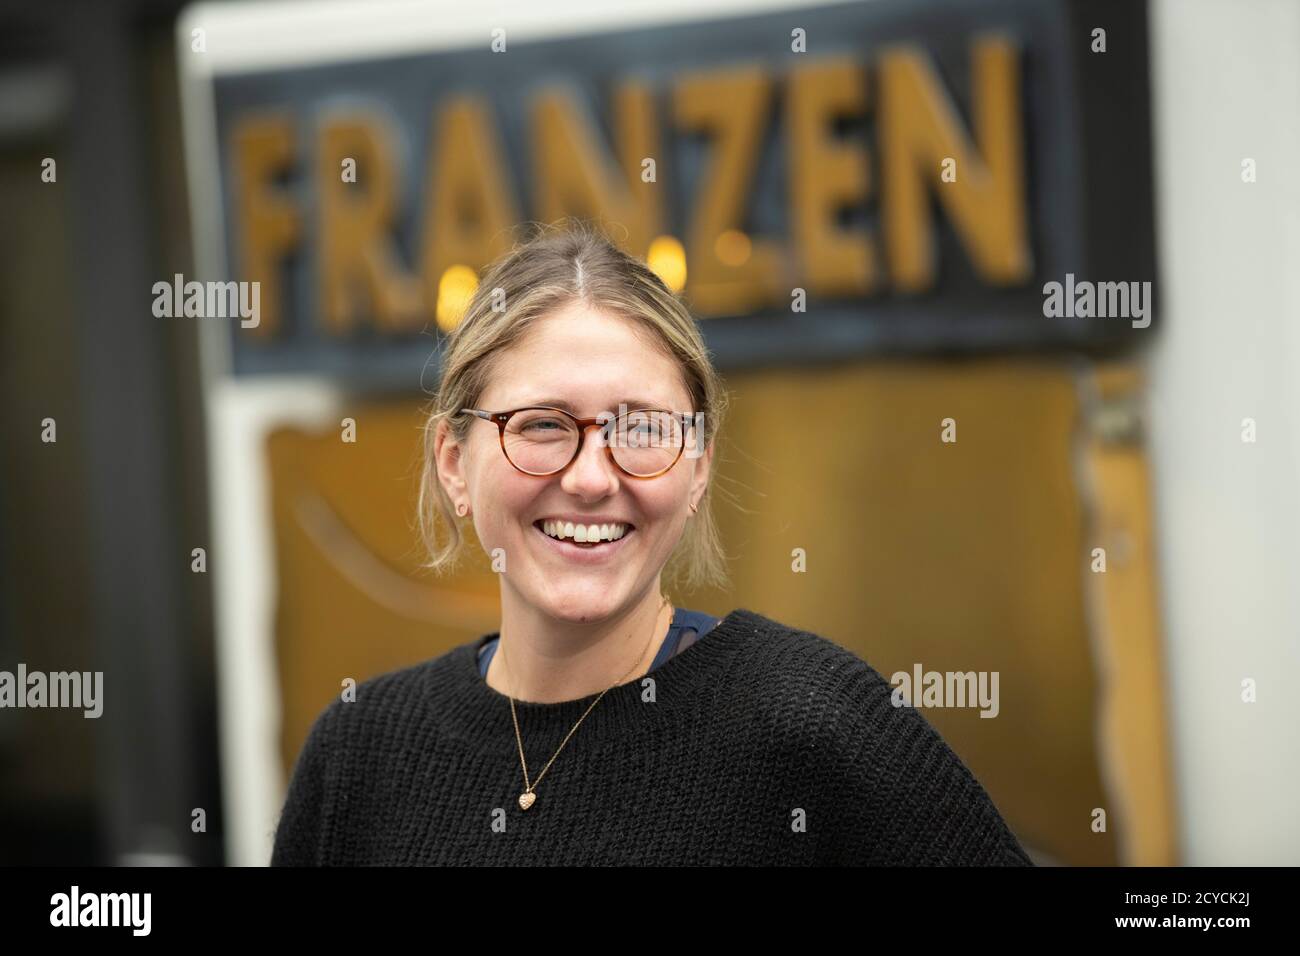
[1226,86]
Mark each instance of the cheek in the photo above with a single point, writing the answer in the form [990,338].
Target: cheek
[503,497]
[514,498]
[661,505]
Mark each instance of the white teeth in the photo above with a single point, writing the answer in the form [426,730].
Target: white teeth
[585,533]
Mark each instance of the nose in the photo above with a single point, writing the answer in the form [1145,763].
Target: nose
[592,475]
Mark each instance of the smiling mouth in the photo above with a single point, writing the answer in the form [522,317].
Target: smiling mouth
[585,545]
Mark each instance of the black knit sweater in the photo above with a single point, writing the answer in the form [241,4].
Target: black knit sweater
[759,745]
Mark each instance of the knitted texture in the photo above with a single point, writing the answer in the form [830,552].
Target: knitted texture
[759,745]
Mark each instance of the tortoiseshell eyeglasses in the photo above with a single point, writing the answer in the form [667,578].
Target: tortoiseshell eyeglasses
[541,440]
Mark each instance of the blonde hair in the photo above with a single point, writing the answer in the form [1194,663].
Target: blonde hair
[565,262]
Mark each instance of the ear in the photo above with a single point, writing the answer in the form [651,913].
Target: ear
[448,454]
[703,467]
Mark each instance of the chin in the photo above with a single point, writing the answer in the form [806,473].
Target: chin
[582,608]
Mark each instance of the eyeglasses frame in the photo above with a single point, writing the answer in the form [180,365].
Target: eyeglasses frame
[500,419]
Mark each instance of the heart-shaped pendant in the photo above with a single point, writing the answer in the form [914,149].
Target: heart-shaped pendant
[526,799]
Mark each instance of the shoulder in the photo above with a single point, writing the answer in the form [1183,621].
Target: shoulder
[342,735]
[810,692]
[804,665]
[877,758]
[823,694]
[385,702]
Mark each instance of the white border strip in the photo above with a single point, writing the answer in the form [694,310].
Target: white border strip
[274,35]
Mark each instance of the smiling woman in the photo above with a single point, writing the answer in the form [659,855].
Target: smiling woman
[601,725]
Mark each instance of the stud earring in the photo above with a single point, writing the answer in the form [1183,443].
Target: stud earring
[461,509]
[695,509]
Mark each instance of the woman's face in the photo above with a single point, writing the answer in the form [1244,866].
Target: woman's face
[592,361]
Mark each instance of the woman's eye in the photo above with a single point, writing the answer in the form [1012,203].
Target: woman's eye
[539,425]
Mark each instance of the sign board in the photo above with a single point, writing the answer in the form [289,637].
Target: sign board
[826,182]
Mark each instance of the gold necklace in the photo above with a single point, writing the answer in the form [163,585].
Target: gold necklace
[527,798]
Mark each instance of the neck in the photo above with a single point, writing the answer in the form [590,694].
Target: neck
[544,659]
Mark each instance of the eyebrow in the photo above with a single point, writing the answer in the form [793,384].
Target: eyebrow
[630,402]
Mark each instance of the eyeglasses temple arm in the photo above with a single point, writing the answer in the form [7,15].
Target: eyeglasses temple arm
[478,412]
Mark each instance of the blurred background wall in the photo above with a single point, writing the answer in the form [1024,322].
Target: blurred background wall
[1120,691]
[1228,511]
[97,514]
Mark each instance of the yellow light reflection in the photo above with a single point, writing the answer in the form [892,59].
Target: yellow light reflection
[455,289]
[732,248]
[667,259]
